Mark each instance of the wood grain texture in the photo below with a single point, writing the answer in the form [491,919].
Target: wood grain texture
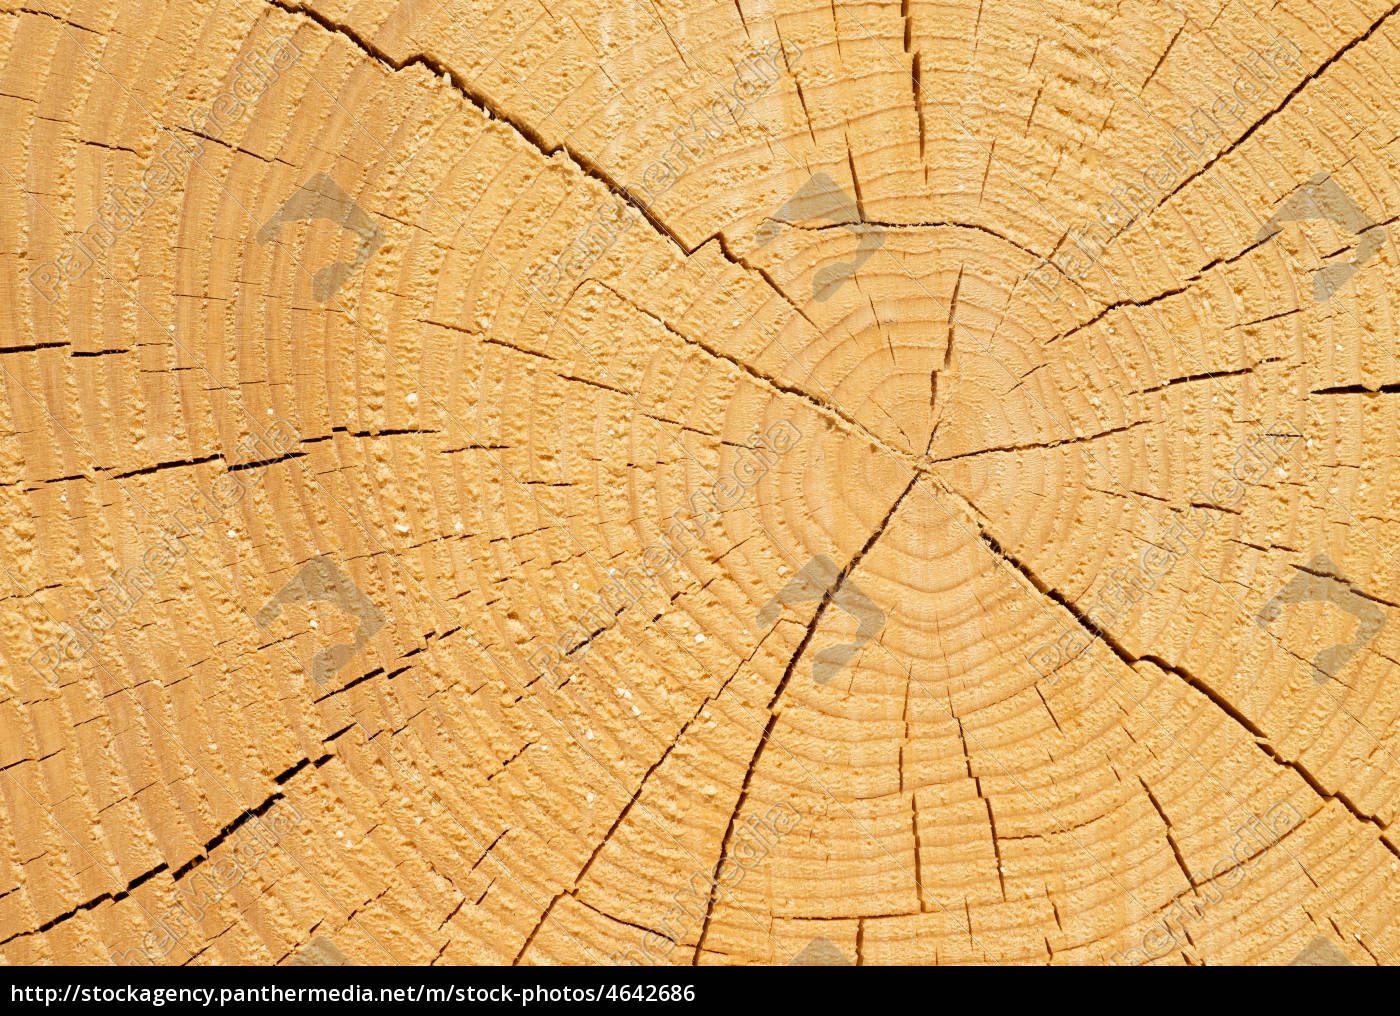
[671,481]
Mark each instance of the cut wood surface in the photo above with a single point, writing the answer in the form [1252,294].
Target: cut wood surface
[661,481]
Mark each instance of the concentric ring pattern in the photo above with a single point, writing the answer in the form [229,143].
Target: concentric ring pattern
[669,482]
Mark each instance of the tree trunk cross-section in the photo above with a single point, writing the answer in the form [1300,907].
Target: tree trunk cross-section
[687,482]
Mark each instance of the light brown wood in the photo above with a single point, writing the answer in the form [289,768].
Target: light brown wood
[739,482]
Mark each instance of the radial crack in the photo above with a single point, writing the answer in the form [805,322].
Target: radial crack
[1261,741]
[590,167]
[773,702]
